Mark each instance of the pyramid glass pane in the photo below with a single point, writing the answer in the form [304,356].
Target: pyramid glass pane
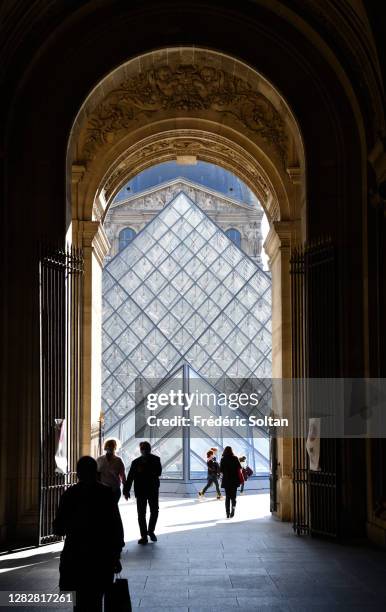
[183,293]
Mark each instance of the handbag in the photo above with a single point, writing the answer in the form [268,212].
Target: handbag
[117,597]
[241,477]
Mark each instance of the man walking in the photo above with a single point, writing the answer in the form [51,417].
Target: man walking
[144,473]
[88,516]
[213,473]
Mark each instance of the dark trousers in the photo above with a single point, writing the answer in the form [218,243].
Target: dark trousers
[230,496]
[89,585]
[212,479]
[117,494]
[87,601]
[142,501]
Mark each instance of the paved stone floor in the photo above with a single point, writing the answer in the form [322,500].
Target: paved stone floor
[204,562]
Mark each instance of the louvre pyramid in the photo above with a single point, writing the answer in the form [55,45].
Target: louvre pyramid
[181,292]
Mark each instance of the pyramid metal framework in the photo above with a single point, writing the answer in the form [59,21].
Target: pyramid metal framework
[182,293]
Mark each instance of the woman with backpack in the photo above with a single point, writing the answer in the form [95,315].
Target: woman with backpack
[232,478]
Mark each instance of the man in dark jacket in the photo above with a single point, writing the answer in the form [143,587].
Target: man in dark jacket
[89,518]
[145,472]
[213,473]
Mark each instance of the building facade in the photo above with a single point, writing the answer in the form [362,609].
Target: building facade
[136,210]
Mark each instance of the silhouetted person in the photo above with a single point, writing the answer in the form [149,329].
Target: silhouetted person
[111,469]
[230,468]
[246,470]
[145,472]
[213,474]
[89,518]
[243,463]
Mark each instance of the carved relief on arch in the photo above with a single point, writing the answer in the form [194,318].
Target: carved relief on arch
[193,89]
[206,147]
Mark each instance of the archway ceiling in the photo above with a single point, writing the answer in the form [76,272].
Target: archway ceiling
[167,89]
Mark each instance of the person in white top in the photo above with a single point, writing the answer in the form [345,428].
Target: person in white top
[111,469]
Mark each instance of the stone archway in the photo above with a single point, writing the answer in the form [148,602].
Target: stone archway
[191,143]
[325,64]
[186,102]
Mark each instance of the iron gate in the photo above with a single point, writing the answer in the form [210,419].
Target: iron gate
[60,275]
[301,506]
[273,476]
[314,337]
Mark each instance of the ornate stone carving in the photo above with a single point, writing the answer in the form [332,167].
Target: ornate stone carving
[207,147]
[254,237]
[188,89]
[139,209]
[160,196]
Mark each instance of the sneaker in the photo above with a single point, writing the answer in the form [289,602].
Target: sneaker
[143,541]
[153,537]
[201,494]
[219,496]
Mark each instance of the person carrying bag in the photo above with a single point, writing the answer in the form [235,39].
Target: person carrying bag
[117,598]
[247,472]
[232,478]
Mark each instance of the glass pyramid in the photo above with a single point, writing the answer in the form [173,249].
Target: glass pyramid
[182,293]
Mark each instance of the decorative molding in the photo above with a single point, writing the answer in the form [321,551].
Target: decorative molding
[187,160]
[157,197]
[86,231]
[190,89]
[295,174]
[272,245]
[282,236]
[207,147]
[288,231]
[90,234]
[139,209]
[101,245]
[98,209]
[254,237]
[77,173]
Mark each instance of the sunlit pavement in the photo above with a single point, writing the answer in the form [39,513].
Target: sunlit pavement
[203,561]
[180,515]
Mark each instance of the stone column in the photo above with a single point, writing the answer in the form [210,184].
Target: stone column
[281,236]
[90,236]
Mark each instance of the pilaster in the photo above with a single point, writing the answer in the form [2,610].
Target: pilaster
[77,174]
[91,237]
[282,236]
